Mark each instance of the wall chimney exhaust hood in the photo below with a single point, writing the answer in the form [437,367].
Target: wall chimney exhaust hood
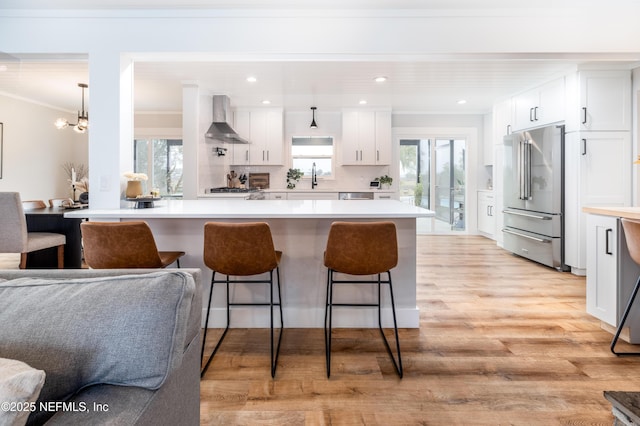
[220,130]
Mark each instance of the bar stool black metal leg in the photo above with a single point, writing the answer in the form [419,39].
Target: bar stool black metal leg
[398,366]
[622,321]
[274,359]
[327,316]
[224,333]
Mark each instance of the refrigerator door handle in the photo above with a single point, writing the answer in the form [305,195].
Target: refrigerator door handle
[520,172]
[527,170]
[533,216]
[540,240]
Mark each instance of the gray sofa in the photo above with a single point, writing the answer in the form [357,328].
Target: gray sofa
[121,347]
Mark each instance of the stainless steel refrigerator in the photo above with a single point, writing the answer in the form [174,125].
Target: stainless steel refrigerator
[534,195]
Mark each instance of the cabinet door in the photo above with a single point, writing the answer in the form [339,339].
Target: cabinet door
[602,279]
[551,103]
[383,138]
[242,125]
[257,154]
[367,137]
[350,141]
[597,173]
[274,143]
[605,100]
[486,210]
[523,109]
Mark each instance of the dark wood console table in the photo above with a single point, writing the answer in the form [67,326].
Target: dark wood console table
[52,219]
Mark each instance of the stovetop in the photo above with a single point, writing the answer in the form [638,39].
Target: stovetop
[224,189]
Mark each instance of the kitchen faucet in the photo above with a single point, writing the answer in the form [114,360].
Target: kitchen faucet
[314,177]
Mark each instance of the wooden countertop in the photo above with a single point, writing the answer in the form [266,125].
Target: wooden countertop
[626,212]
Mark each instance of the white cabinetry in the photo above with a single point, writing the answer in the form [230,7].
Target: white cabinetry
[602,259]
[366,137]
[312,195]
[540,106]
[597,173]
[486,213]
[264,130]
[611,274]
[599,100]
[383,196]
[502,119]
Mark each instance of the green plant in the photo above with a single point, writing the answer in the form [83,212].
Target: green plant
[293,176]
[417,194]
[385,180]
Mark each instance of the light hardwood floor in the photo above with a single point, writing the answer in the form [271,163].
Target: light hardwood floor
[502,340]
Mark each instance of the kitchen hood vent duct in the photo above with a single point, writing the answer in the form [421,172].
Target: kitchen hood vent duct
[220,130]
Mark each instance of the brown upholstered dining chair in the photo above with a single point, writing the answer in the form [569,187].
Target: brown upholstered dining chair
[111,245]
[14,236]
[242,250]
[632,235]
[360,249]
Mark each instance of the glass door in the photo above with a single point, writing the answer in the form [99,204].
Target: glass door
[449,202]
[432,175]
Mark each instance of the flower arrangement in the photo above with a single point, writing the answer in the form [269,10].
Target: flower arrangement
[78,176]
[135,176]
[293,176]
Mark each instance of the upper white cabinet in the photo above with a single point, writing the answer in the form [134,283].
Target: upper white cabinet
[540,106]
[366,137]
[599,100]
[264,130]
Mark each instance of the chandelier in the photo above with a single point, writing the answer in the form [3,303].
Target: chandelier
[83,117]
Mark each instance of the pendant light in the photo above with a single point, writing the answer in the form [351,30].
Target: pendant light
[313,119]
[83,117]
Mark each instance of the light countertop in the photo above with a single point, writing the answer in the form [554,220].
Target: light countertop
[626,212]
[262,209]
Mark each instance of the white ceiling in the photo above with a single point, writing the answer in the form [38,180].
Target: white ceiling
[432,85]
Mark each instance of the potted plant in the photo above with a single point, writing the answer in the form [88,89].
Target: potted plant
[385,181]
[293,176]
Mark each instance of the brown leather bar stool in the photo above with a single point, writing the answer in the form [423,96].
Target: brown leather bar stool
[242,250]
[111,245]
[632,234]
[361,248]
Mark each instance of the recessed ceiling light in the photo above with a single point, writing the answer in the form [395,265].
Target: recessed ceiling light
[363,102]
[381,79]
[252,79]
[462,102]
[266,102]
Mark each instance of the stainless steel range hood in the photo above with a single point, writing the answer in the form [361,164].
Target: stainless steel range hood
[220,130]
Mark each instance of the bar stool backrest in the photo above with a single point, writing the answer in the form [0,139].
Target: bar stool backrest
[632,234]
[361,248]
[109,245]
[239,248]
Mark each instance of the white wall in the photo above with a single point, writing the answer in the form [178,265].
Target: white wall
[34,150]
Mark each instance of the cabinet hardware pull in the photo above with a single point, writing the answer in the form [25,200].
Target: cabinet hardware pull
[267,155]
[584,147]
[508,129]
[377,155]
[606,234]
[356,155]
[262,155]
[584,115]
[530,114]
[246,155]
[535,114]
[540,240]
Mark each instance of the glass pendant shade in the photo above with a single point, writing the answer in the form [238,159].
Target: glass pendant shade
[83,117]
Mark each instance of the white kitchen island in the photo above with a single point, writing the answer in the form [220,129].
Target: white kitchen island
[300,229]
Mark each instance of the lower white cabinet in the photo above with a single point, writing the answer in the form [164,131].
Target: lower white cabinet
[602,260]
[312,195]
[611,274]
[486,213]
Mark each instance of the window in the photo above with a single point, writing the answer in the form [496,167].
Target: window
[161,160]
[306,150]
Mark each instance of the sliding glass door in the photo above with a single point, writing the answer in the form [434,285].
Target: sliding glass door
[432,175]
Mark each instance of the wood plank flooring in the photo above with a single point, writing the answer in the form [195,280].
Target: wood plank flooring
[502,340]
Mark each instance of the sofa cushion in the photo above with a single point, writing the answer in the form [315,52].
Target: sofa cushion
[125,330]
[20,386]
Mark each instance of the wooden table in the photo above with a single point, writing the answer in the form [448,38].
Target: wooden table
[52,219]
